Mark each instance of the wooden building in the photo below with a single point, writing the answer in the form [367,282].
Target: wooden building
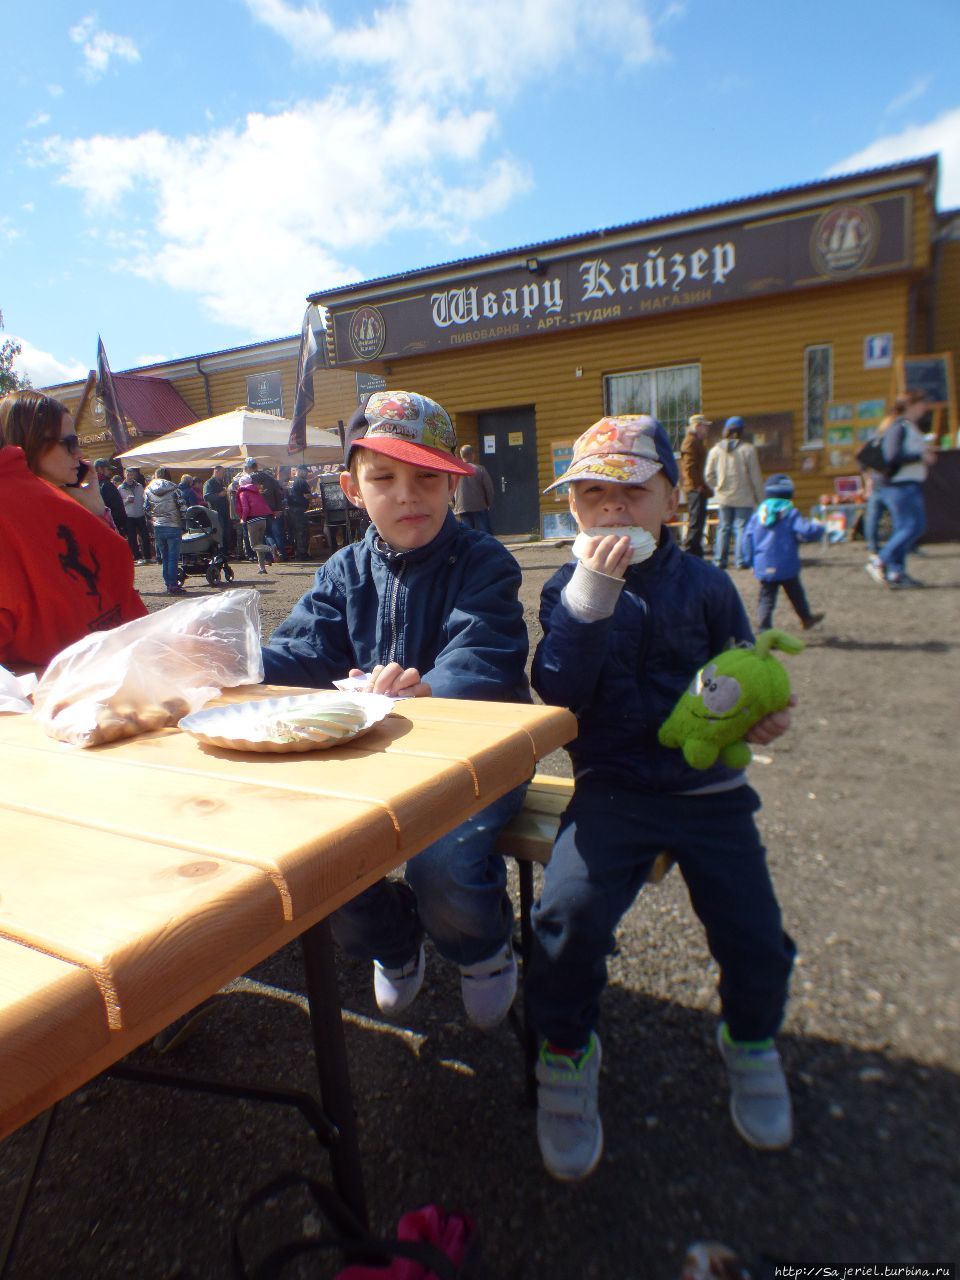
[794,309]
[159,398]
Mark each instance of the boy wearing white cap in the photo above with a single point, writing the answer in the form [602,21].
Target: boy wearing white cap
[424,605]
[624,631]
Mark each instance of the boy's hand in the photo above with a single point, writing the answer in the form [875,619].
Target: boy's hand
[609,555]
[396,682]
[771,727]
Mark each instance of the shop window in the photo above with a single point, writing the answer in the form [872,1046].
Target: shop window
[818,390]
[671,395]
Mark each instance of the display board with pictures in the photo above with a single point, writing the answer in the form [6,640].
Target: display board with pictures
[849,425]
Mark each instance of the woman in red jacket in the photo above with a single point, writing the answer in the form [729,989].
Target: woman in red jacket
[64,572]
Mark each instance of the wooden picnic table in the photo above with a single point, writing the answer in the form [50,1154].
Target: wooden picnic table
[139,877]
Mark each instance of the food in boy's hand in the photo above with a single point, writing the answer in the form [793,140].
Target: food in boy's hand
[642,543]
[726,699]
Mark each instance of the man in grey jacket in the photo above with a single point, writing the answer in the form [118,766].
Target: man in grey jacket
[474,496]
[166,511]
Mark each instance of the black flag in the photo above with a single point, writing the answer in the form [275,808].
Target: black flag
[107,392]
[313,355]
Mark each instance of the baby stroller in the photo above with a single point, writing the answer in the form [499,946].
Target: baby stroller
[200,550]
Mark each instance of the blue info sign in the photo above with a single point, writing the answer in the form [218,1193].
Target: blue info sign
[878,351]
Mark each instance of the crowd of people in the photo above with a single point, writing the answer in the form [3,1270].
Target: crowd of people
[427,603]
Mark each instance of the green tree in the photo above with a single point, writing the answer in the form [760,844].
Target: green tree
[10,380]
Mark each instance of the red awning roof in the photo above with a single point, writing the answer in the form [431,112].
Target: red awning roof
[152,405]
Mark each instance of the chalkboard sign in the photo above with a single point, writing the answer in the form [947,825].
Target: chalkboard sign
[926,373]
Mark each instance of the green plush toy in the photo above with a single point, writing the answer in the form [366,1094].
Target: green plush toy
[726,699]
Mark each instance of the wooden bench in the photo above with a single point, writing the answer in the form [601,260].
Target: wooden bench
[528,839]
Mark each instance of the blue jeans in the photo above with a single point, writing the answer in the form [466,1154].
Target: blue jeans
[876,504]
[168,540]
[730,520]
[905,504]
[276,534]
[608,839]
[455,892]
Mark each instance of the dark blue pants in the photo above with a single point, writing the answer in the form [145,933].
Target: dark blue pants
[767,601]
[607,842]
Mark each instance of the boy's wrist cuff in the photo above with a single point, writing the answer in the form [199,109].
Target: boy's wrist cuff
[591,596]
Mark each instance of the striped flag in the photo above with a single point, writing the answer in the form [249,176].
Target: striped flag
[313,355]
[107,392]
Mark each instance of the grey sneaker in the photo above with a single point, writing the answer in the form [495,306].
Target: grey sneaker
[489,986]
[396,989]
[759,1097]
[569,1130]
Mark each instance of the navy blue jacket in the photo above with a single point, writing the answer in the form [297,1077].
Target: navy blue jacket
[771,540]
[451,609]
[623,675]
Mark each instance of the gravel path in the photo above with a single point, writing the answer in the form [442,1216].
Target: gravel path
[861,813]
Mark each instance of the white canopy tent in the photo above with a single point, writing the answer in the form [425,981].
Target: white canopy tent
[229,439]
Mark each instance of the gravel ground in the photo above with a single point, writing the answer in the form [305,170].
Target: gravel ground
[860,815]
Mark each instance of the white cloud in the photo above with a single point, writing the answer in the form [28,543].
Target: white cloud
[42,117]
[8,232]
[940,136]
[99,47]
[227,226]
[44,369]
[438,48]
[910,94]
[55,90]
[252,216]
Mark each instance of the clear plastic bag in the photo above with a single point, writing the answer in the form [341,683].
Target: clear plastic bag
[148,673]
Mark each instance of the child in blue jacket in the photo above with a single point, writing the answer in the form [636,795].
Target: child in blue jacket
[425,606]
[770,548]
[621,643]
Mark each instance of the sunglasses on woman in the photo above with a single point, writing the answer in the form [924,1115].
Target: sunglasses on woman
[70,442]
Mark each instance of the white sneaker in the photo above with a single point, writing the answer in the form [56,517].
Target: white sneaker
[759,1096]
[396,989]
[569,1129]
[489,986]
[875,569]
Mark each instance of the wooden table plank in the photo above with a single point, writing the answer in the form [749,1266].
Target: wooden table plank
[51,1017]
[142,917]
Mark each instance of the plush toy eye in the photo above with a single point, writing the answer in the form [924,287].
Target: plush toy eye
[702,679]
[720,694]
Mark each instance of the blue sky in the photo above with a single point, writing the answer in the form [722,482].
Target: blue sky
[178,176]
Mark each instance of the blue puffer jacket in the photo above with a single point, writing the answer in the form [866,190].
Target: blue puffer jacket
[622,675]
[770,544]
[451,609]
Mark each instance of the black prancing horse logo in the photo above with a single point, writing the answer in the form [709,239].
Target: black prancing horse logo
[73,566]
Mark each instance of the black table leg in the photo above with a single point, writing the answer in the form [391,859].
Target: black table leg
[331,1053]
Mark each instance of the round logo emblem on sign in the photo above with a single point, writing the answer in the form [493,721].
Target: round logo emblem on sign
[368,333]
[844,239]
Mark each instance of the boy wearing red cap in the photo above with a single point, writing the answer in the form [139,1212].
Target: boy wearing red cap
[424,605]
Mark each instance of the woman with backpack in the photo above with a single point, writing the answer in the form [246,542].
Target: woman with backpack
[906,456]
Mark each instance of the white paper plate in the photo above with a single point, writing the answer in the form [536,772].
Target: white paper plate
[252,726]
